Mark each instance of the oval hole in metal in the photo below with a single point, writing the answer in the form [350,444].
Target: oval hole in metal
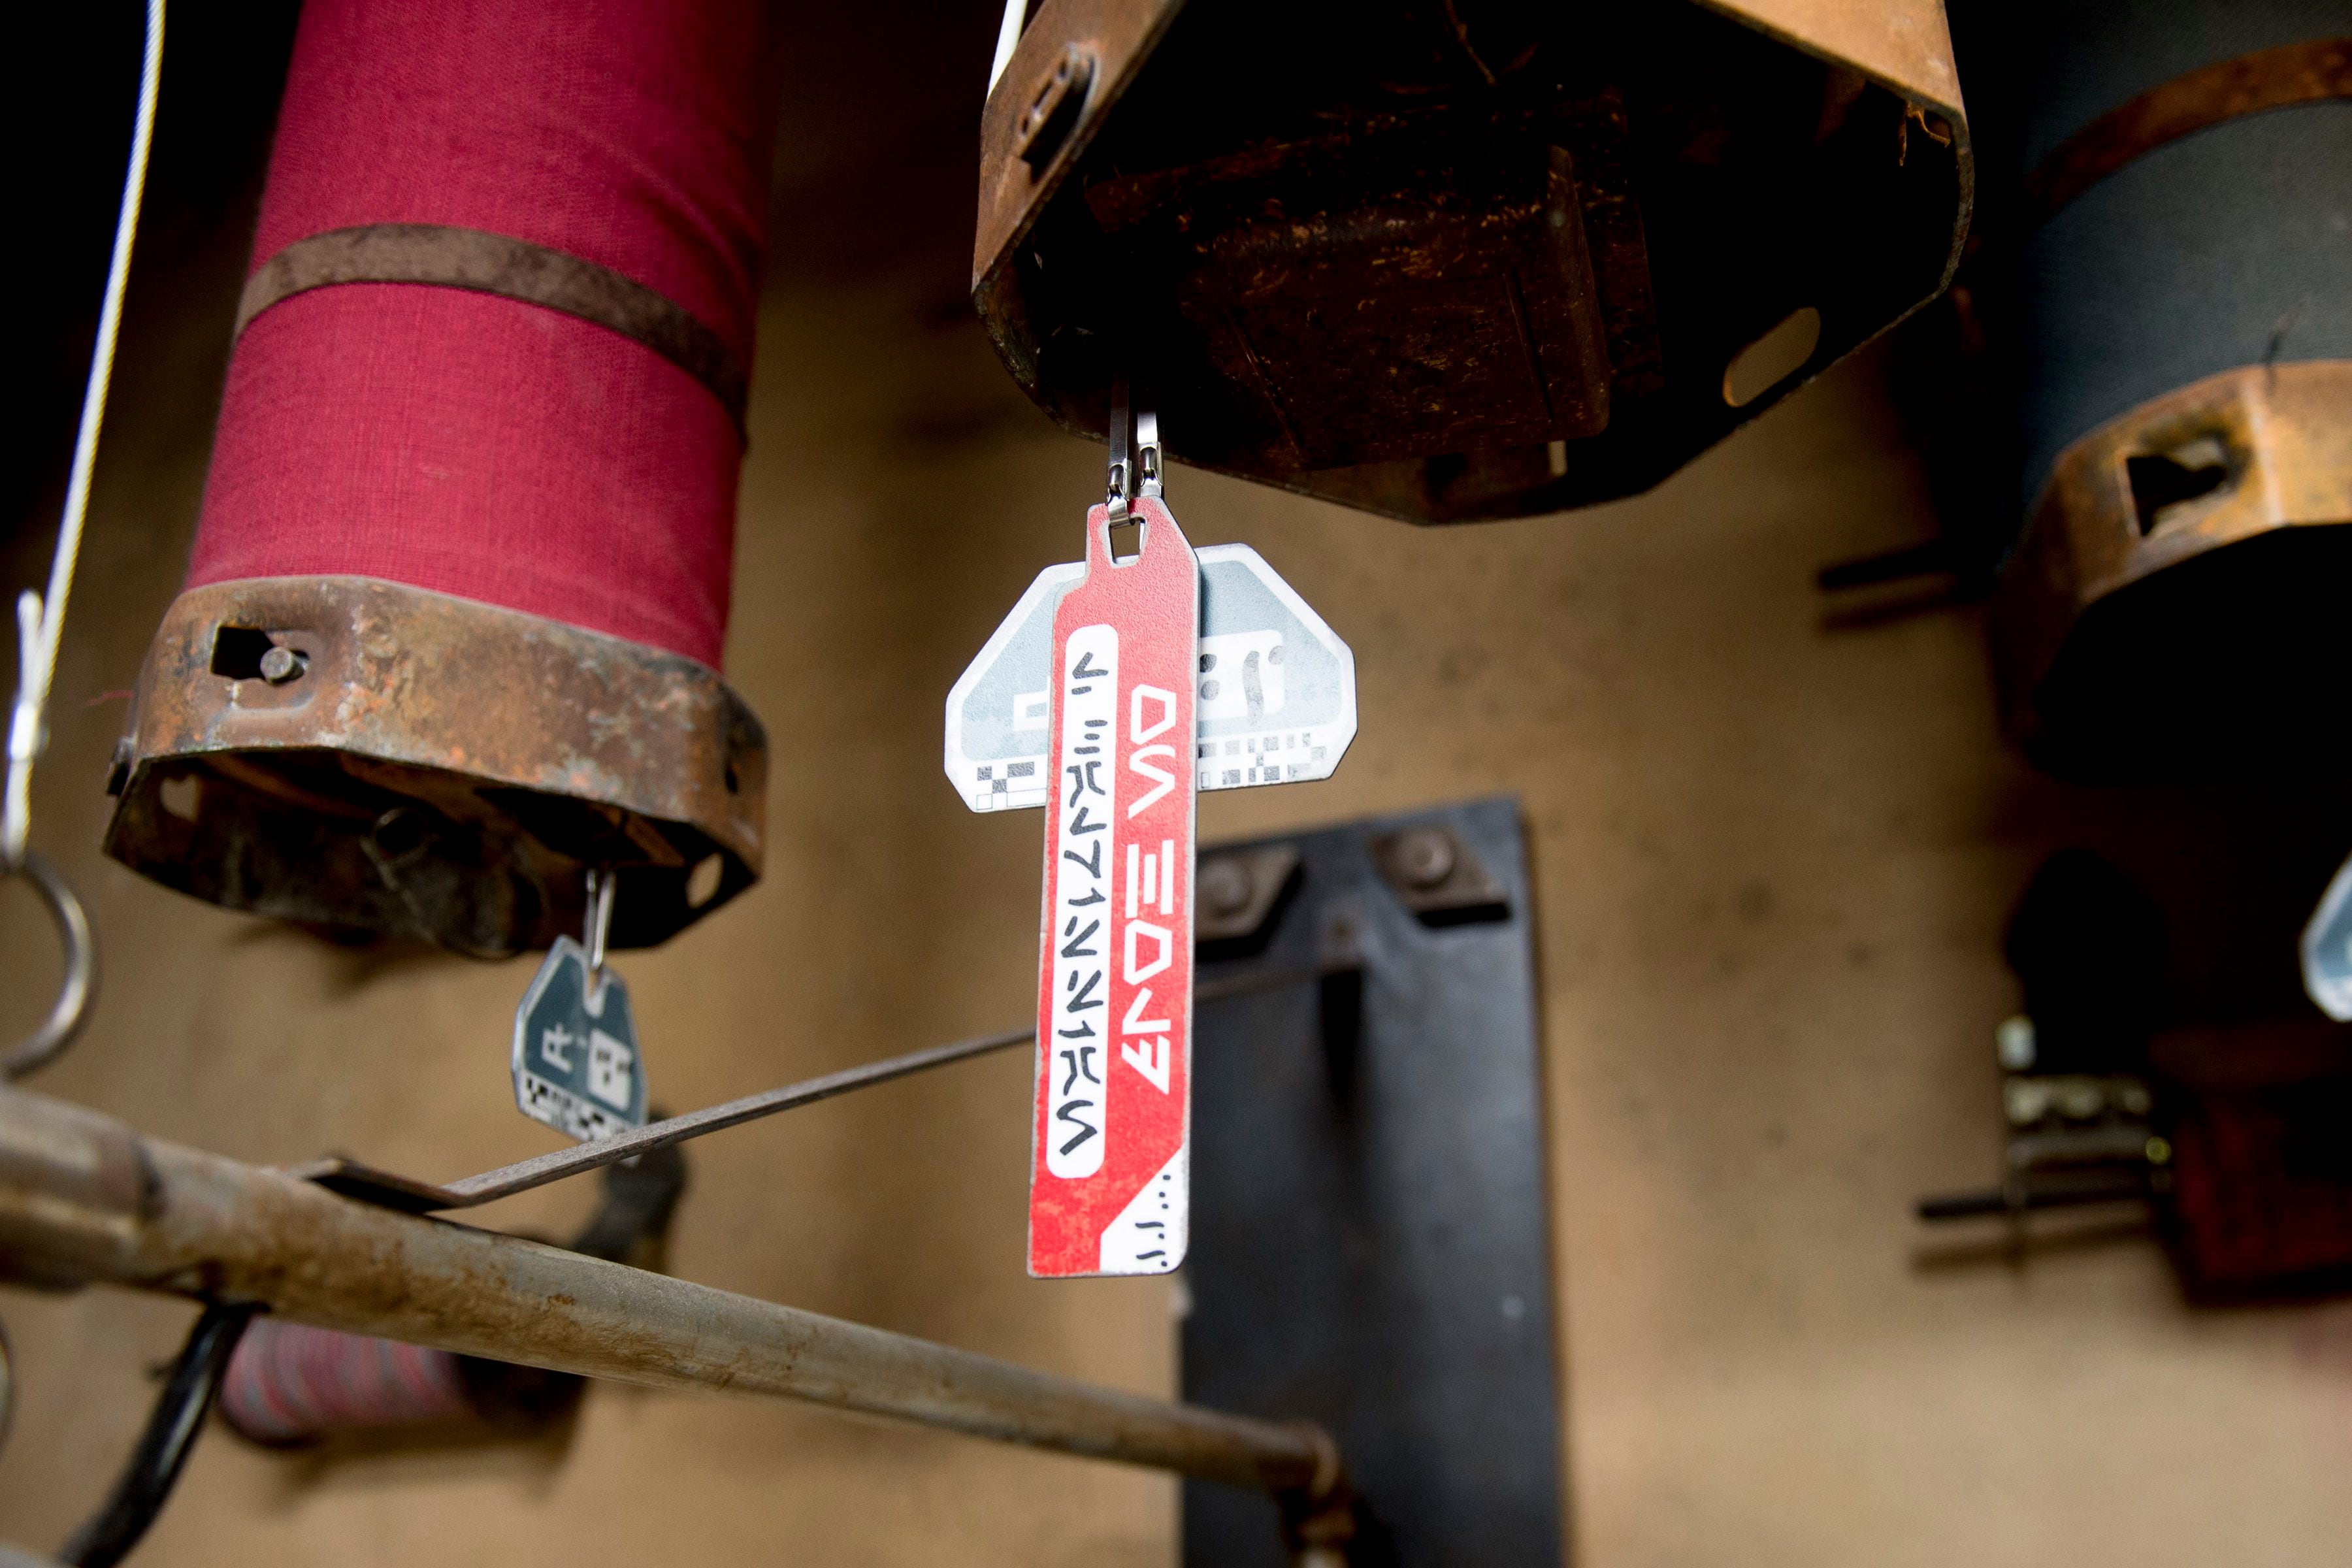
[1772,358]
[179,796]
[702,882]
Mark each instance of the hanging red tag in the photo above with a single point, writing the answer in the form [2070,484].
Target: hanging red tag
[1110,1190]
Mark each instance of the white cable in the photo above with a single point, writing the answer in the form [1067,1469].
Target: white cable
[1008,33]
[40,623]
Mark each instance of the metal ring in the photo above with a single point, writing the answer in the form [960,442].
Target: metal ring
[72,1007]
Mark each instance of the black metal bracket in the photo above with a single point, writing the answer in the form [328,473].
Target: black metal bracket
[1370,1246]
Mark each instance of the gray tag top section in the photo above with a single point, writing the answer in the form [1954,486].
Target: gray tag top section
[1276,695]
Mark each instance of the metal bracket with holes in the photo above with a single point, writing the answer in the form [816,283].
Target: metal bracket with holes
[1371,1242]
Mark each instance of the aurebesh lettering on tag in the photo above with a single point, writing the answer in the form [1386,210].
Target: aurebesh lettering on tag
[1108,1181]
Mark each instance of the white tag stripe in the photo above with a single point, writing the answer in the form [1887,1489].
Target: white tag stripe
[1150,1234]
[1077,1127]
[1151,879]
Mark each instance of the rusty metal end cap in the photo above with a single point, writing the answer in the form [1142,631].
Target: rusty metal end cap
[2170,607]
[363,756]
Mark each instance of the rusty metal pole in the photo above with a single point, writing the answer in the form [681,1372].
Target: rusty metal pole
[84,1199]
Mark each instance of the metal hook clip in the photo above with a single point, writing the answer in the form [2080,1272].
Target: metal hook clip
[1135,456]
[599,922]
[1122,469]
[1147,454]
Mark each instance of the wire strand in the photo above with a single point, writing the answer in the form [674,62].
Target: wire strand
[41,619]
[1008,36]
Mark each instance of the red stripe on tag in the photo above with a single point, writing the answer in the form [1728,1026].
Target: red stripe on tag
[1108,1188]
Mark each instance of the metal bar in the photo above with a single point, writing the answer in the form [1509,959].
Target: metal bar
[84,1199]
[2127,1188]
[555,1165]
[388,1190]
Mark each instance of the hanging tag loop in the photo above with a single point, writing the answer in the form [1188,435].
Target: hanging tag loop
[72,1009]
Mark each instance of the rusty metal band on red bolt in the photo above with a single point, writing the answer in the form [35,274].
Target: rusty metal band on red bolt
[446,256]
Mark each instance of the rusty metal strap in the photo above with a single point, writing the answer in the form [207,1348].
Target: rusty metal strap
[443,256]
[2281,78]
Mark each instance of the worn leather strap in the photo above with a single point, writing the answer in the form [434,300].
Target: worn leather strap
[2281,78]
[449,257]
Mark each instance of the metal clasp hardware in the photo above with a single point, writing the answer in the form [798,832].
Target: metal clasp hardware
[599,923]
[1135,453]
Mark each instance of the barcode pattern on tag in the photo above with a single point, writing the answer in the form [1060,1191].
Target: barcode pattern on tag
[1274,689]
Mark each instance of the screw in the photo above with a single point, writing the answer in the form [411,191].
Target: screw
[1224,886]
[2014,1043]
[281,665]
[2026,1101]
[2080,1100]
[1424,857]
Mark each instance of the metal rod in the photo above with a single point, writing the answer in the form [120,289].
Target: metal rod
[84,1199]
[2122,1188]
[556,1164]
[355,1179]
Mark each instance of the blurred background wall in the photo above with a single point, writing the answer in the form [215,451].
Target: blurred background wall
[1775,848]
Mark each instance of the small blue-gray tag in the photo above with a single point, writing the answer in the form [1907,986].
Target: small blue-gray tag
[2328,949]
[576,1063]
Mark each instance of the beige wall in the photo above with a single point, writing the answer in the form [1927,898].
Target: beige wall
[1773,858]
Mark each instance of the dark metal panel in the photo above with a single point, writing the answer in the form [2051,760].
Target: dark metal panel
[1446,260]
[1371,1246]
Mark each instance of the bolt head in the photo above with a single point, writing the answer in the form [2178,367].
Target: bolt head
[2014,1043]
[1424,857]
[281,665]
[1224,886]
[2081,1099]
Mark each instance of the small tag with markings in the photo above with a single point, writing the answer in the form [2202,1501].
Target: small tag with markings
[576,1063]
[2328,949]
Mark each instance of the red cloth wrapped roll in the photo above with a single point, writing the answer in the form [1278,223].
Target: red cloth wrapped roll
[288,1383]
[471,443]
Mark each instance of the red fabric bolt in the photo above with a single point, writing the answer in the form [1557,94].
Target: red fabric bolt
[289,1381]
[480,446]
